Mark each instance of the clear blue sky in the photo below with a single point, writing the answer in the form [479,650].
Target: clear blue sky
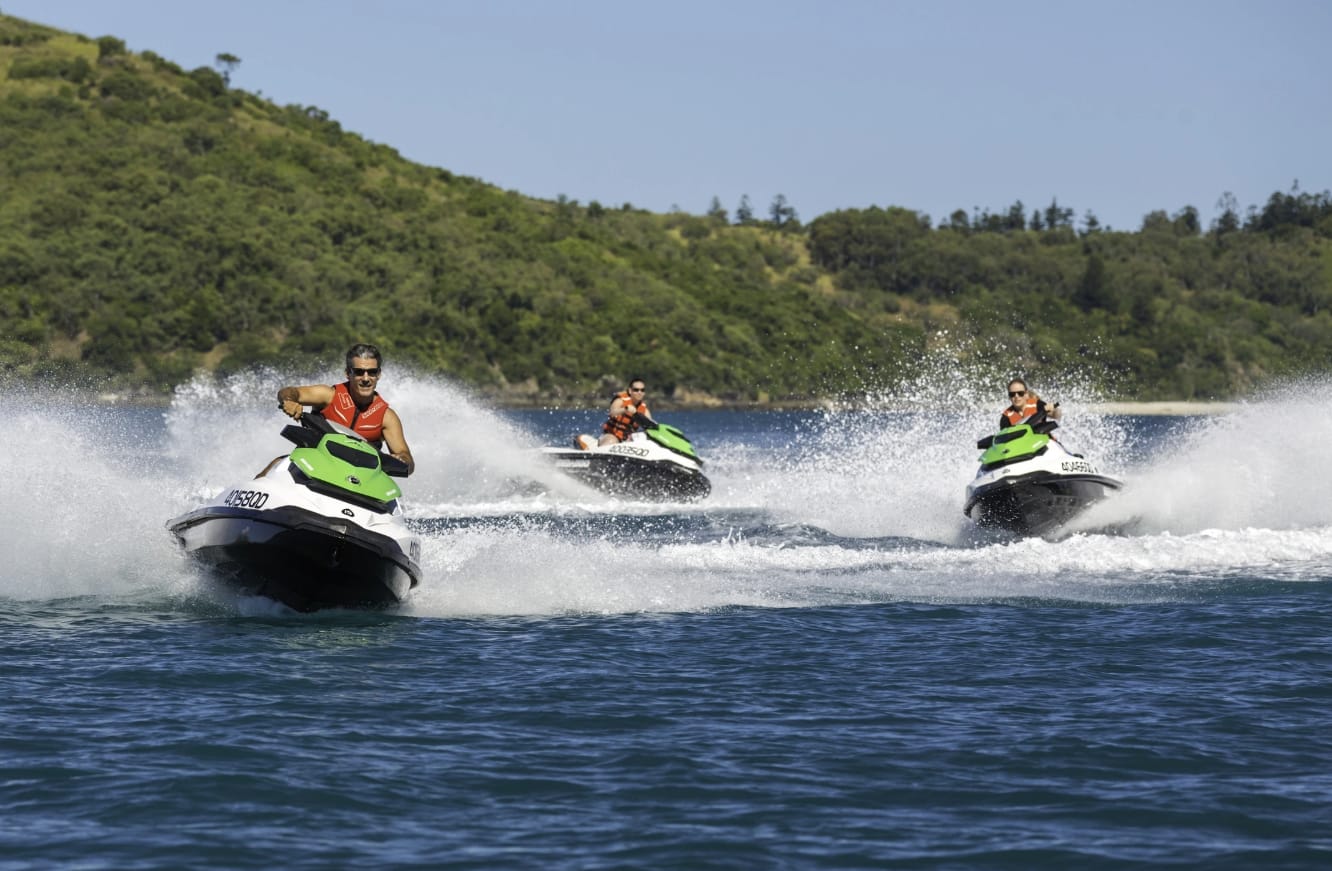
[1118,107]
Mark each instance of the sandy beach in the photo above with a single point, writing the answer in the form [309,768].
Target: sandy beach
[1168,407]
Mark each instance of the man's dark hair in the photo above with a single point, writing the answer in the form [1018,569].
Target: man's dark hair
[364,350]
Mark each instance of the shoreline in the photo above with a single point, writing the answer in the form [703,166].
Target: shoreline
[1168,407]
[1156,408]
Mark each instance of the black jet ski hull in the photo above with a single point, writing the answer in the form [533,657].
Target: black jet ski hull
[632,478]
[302,559]
[1036,505]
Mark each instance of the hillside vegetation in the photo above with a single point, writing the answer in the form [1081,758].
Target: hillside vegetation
[156,221]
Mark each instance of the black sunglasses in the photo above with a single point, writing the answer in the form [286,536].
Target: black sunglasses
[373,373]
[1013,393]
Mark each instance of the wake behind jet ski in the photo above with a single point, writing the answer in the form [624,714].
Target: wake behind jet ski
[323,530]
[1029,484]
[658,462]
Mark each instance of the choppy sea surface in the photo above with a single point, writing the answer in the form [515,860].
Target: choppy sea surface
[819,666]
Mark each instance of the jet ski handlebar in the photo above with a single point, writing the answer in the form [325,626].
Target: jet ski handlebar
[314,427]
[1040,427]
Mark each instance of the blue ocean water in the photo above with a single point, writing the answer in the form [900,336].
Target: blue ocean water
[820,666]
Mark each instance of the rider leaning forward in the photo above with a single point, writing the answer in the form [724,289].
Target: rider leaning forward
[355,403]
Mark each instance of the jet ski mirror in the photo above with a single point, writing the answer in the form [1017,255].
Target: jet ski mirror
[985,442]
[317,423]
[393,466]
[300,436]
[1045,427]
[312,428]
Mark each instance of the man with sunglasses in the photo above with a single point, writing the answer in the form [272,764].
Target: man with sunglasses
[1026,407]
[628,412]
[355,403]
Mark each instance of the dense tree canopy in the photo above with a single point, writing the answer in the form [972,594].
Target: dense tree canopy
[155,221]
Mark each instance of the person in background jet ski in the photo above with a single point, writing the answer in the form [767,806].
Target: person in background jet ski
[1026,407]
[354,403]
[628,412]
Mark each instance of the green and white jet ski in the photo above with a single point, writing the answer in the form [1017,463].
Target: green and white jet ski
[1031,485]
[655,463]
[325,529]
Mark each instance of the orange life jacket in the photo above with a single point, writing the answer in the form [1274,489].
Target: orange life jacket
[367,423]
[622,425]
[1014,417]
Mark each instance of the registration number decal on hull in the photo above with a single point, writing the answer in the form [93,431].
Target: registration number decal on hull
[1078,466]
[246,499]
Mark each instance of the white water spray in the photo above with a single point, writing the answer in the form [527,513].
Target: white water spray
[845,507]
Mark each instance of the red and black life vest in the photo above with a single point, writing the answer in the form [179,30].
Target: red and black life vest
[367,423]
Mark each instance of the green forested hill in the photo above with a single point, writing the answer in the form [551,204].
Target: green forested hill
[154,221]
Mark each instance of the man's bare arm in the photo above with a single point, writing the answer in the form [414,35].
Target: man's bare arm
[292,400]
[395,441]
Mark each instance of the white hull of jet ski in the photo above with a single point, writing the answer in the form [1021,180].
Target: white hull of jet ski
[637,468]
[1035,496]
[276,537]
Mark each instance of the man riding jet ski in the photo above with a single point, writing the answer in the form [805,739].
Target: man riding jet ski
[1028,483]
[325,530]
